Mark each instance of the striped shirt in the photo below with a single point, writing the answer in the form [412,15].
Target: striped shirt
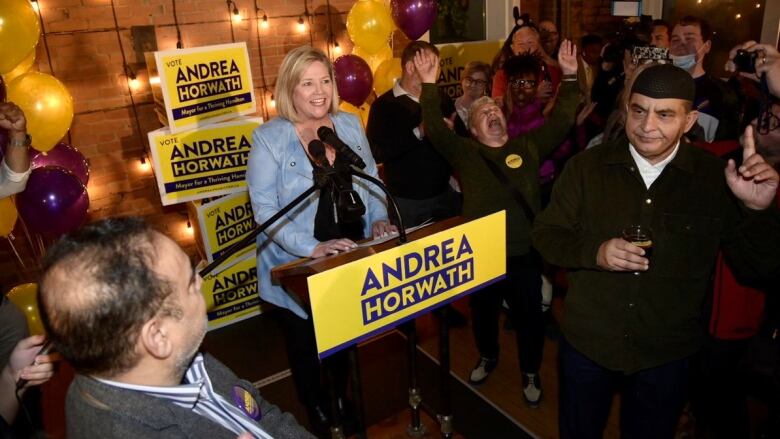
[198,395]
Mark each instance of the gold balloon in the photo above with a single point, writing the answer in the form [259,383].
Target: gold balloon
[20,69]
[386,74]
[369,25]
[361,111]
[8,216]
[374,60]
[23,296]
[19,32]
[47,105]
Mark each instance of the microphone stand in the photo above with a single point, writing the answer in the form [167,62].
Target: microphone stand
[250,238]
[416,428]
[353,170]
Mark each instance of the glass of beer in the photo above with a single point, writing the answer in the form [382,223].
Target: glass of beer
[640,236]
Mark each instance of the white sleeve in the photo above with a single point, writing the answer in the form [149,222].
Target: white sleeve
[11,182]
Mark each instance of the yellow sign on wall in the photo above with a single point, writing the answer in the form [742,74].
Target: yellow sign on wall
[363,298]
[205,84]
[224,222]
[453,59]
[231,294]
[202,163]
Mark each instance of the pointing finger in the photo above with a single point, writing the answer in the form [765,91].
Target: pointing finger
[748,143]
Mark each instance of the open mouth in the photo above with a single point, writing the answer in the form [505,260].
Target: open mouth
[318,102]
[494,123]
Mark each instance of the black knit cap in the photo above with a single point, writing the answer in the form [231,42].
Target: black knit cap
[665,81]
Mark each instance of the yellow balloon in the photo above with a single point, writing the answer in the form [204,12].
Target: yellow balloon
[47,105]
[369,25]
[19,32]
[24,297]
[374,60]
[8,216]
[361,112]
[386,74]
[20,69]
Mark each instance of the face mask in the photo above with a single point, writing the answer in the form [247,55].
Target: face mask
[685,62]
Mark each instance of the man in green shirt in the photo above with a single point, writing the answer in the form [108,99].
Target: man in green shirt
[498,173]
[632,319]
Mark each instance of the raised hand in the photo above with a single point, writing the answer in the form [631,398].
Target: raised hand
[12,118]
[426,64]
[567,57]
[755,182]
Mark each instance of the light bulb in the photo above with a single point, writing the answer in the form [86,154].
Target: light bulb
[301,25]
[264,22]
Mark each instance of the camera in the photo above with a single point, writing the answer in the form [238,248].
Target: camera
[745,61]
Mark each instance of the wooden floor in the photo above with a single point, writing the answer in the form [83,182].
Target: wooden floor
[504,387]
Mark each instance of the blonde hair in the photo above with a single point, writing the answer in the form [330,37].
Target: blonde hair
[290,72]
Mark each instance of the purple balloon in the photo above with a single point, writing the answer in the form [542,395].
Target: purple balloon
[414,17]
[64,156]
[3,93]
[353,79]
[54,202]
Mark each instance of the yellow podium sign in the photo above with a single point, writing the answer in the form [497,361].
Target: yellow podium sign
[365,297]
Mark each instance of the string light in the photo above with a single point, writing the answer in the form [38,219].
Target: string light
[36,7]
[144,165]
[236,15]
[264,21]
[301,25]
[738,16]
[758,5]
[336,47]
[273,101]
[132,79]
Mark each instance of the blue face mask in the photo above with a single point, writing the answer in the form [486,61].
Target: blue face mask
[685,62]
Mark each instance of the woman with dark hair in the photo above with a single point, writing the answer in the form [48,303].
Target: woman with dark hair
[525,39]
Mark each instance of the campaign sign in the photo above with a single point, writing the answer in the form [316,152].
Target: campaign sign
[453,59]
[231,292]
[224,222]
[363,298]
[202,163]
[205,84]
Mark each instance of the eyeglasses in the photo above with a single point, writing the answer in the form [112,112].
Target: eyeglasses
[523,83]
[475,82]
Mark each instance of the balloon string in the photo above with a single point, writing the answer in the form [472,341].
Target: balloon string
[29,238]
[10,239]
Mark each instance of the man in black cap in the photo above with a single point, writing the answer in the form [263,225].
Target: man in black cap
[632,317]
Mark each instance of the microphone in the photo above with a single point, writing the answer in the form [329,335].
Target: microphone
[327,135]
[349,206]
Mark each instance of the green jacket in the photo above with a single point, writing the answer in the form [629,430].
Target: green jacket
[483,193]
[629,322]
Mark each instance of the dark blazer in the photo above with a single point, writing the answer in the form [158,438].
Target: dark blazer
[97,410]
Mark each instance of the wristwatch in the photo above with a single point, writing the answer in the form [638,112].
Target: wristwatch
[25,143]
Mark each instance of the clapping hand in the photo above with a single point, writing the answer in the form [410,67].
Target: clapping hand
[567,58]
[755,181]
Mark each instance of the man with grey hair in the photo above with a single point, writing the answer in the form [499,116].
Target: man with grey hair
[499,173]
[123,304]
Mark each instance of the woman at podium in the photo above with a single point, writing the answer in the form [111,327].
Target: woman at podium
[281,165]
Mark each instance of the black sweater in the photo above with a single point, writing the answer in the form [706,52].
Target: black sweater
[412,167]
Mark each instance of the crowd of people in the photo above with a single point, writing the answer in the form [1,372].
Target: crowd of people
[577,143]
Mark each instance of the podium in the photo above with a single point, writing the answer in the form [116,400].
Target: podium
[293,277]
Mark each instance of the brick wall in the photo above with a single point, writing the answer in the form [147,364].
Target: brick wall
[84,49]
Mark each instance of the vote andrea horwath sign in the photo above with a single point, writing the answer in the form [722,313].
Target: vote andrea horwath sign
[202,163]
[231,294]
[224,222]
[205,84]
[365,297]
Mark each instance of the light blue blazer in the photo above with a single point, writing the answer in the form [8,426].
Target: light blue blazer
[278,171]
